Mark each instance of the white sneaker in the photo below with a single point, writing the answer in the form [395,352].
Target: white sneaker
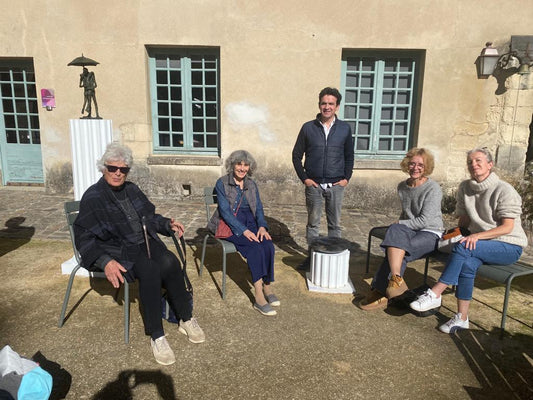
[454,324]
[192,330]
[162,352]
[426,301]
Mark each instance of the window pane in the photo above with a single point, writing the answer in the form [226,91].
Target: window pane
[403,98]
[175,93]
[34,121]
[368,65]
[22,121]
[198,140]
[197,78]
[162,108]
[389,82]
[6,90]
[197,94]
[197,125]
[177,125]
[35,137]
[349,112]
[404,82]
[210,94]
[363,128]
[197,110]
[388,98]
[400,129]
[175,78]
[210,110]
[386,113]
[351,96]
[8,105]
[367,81]
[211,126]
[366,96]
[161,77]
[164,140]
[24,137]
[177,140]
[385,129]
[162,93]
[365,112]
[400,145]
[362,144]
[352,81]
[176,109]
[11,136]
[163,124]
[384,144]
[212,141]
[402,113]
[174,62]
[9,120]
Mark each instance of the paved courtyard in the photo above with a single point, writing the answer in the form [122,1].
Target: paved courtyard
[319,346]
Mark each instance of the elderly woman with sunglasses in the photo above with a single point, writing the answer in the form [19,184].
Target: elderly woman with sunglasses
[240,207]
[116,231]
[414,235]
[490,210]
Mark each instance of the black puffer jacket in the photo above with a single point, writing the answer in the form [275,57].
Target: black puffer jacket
[325,162]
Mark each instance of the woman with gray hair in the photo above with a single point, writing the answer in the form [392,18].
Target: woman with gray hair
[490,210]
[240,207]
[116,231]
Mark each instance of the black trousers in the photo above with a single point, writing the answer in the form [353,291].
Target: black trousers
[162,270]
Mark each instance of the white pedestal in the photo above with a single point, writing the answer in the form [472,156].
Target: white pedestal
[88,140]
[329,272]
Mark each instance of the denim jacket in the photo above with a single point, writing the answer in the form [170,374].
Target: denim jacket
[228,198]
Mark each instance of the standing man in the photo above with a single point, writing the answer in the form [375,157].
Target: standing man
[327,145]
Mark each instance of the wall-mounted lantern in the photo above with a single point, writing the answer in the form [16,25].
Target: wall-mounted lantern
[519,57]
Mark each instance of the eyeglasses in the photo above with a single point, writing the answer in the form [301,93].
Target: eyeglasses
[113,168]
[413,165]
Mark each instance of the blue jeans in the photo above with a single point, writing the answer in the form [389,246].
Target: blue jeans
[463,264]
[313,200]
[416,244]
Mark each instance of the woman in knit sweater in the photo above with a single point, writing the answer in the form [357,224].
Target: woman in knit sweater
[490,209]
[414,235]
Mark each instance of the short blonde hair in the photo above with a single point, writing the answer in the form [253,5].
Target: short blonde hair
[429,160]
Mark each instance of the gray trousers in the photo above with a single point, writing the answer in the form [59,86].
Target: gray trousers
[314,198]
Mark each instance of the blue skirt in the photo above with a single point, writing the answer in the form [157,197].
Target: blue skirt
[259,256]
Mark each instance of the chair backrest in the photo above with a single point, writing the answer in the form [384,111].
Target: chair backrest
[210,200]
[72,209]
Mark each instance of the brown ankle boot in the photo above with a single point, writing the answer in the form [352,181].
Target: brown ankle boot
[397,287]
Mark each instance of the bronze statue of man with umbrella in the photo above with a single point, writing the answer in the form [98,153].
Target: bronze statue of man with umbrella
[88,83]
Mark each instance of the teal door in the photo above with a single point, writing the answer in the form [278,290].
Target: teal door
[20,137]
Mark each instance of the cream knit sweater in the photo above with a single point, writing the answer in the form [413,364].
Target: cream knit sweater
[487,202]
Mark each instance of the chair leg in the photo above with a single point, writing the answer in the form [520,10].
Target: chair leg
[426,267]
[505,304]
[224,274]
[368,251]
[126,312]
[203,254]
[67,296]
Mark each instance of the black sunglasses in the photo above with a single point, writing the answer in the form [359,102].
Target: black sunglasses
[113,168]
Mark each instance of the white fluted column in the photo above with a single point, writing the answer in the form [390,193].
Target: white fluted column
[88,141]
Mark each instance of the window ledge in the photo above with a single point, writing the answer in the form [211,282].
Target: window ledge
[377,164]
[184,160]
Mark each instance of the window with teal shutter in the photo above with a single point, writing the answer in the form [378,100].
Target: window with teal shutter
[380,101]
[184,91]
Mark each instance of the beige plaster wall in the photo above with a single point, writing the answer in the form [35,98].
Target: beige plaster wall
[275,57]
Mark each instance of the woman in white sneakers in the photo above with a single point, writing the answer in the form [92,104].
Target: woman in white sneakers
[490,209]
